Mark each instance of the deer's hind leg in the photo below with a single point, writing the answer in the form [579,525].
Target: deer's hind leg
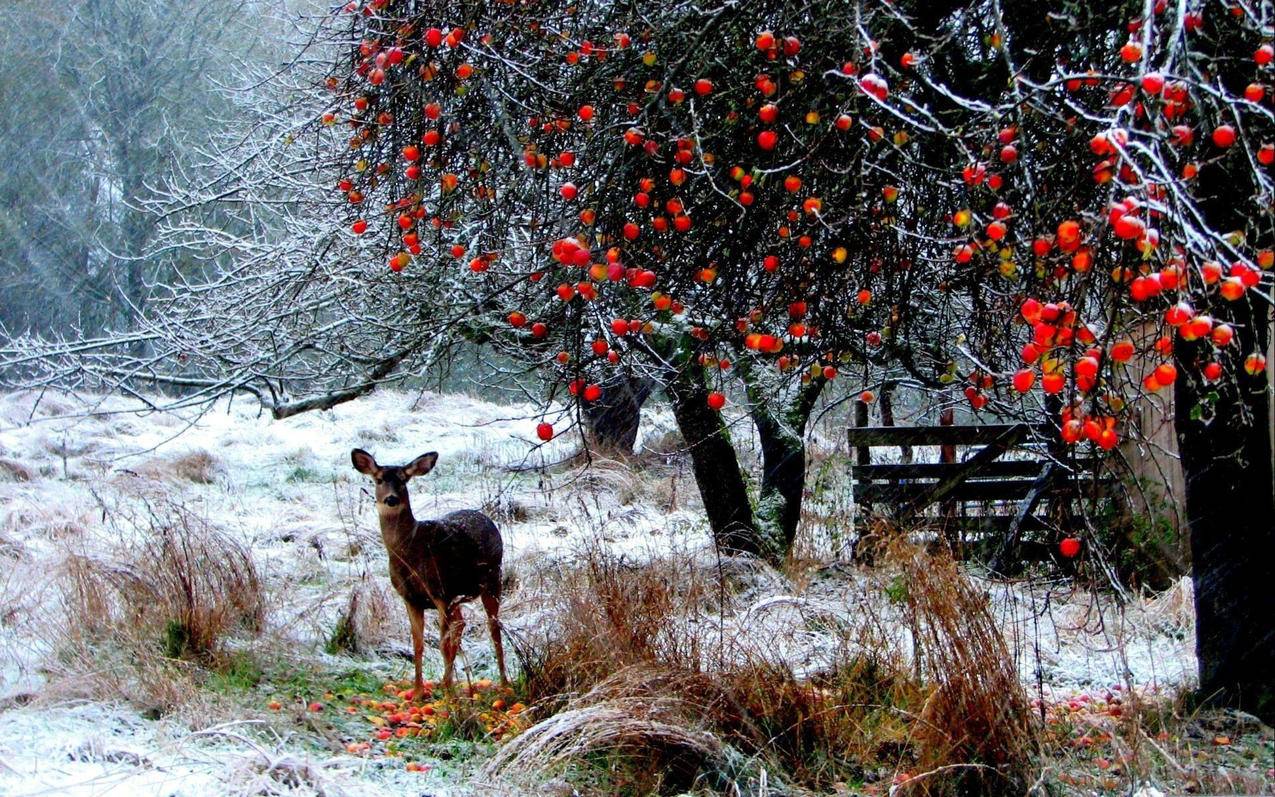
[491,604]
[452,623]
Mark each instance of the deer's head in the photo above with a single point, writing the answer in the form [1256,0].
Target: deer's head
[391,480]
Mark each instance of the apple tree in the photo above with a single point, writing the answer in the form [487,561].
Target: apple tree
[1066,206]
[1062,208]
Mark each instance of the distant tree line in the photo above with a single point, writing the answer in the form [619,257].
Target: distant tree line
[102,103]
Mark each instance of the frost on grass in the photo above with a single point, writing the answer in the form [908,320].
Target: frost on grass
[284,493]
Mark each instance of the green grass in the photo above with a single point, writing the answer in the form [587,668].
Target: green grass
[249,674]
[314,682]
[240,673]
[175,639]
[246,682]
[897,590]
[303,475]
[344,637]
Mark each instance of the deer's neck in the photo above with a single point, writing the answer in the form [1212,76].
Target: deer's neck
[400,529]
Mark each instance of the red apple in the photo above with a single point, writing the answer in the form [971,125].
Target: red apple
[1024,379]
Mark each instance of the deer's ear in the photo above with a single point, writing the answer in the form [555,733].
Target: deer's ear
[364,462]
[421,465]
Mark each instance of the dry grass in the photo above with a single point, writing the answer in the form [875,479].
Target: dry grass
[12,470]
[156,686]
[977,721]
[1111,741]
[663,446]
[639,669]
[612,614]
[196,467]
[10,549]
[142,621]
[602,475]
[364,622]
[199,467]
[649,744]
[31,518]
[179,586]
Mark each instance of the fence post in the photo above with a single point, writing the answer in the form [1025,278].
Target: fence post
[862,454]
[947,509]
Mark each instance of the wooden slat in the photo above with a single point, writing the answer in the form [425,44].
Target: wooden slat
[1026,468]
[937,470]
[916,494]
[1059,482]
[950,484]
[935,435]
[976,524]
[995,526]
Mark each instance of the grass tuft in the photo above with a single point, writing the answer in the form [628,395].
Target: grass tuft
[976,725]
[175,588]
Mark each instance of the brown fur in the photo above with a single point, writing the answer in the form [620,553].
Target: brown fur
[438,563]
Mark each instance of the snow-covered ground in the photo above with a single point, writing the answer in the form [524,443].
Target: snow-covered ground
[286,490]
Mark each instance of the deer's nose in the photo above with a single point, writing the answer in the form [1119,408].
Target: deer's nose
[391,500]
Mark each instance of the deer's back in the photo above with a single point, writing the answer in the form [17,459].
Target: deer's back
[454,557]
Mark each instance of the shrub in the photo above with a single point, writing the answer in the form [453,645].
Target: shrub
[1139,533]
[176,583]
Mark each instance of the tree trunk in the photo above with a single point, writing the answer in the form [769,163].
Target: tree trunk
[862,454]
[947,454]
[1226,457]
[782,431]
[717,472]
[613,419]
[1224,439]
[886,399]
[783,479]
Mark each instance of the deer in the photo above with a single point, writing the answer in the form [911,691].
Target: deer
[440,563]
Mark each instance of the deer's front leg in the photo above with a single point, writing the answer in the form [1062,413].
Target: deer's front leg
[416,616]
[491,604]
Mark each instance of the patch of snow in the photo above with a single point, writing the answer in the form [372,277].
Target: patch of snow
[96,749]
[287,490]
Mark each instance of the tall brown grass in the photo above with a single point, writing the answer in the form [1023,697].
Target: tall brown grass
[643,664]
[612,614]
[977,722]
[174,583]
[639,739]
[197,467]
[12,470]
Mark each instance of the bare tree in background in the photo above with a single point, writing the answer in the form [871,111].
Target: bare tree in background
[100,101]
